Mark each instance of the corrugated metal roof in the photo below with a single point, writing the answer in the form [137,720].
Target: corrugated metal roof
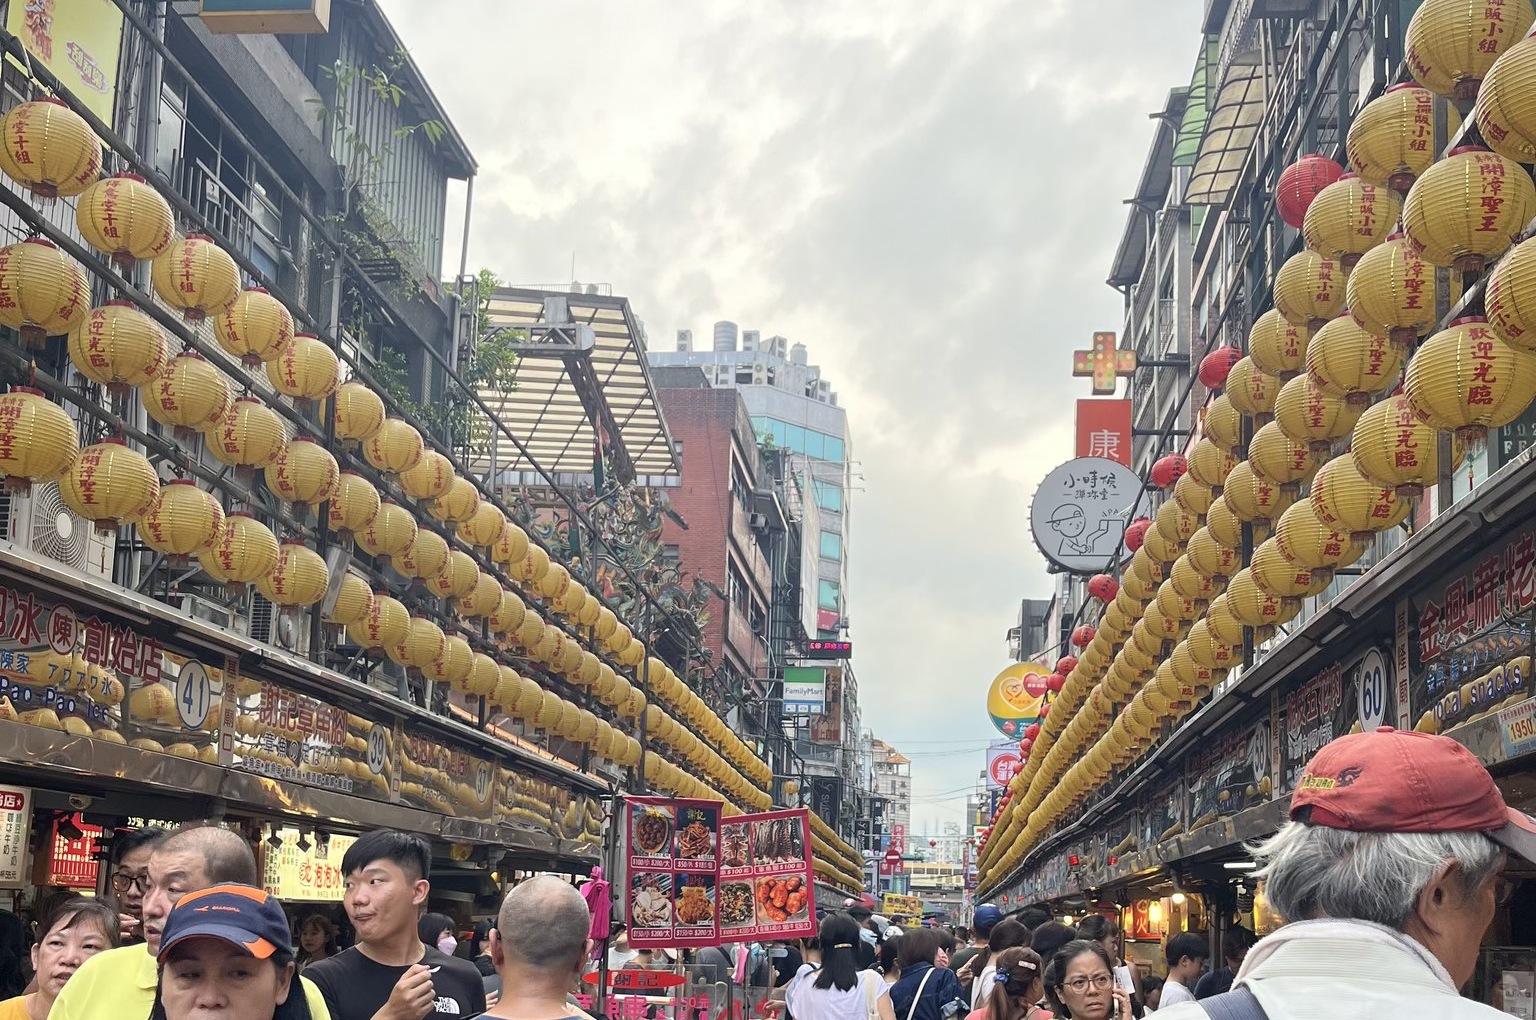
[1235,115]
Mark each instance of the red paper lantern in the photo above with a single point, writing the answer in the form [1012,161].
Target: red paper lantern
[1025,745]
[1168,470]
[1083,635]
[1103,587]
[1055,682]
[1300,183]
[933,842]
[1217,365]
[1135,534]
[1066,664]
[1032,731]
[1045,710]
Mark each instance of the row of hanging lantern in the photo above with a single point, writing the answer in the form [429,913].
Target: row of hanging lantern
[43,292]
[1348,312]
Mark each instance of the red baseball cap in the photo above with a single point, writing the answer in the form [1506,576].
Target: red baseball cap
[1401,781]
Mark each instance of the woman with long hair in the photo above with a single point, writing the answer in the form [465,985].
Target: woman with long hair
[317,940]
[890,950]
[1006,934]
[1081,985]
[74,930]
[1019,977]
[440,931]
[228,951]
[837,989]
[924,991]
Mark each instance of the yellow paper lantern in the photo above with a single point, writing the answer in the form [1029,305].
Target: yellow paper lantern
[1173,604]
[49,148]
[530,632]
[529,698]
[384,625]
[1194,673]
[1468,208]
[1346,500]
[1504,113]
[196,276]
[1193,496]
[429,478]
[110,485]
[484,674]
[511,547]
[255,328]
[1393,446]
[1392,139]
[1309,543]
[1175,522]
[1206,651]
[1510,297]
[551,708]
[43,292]
[123,217]
[390,533]
[1346,361]
[1277,347]
[587,673]
[38,440]
[590,610]
[246,550]
[306,369]
[1275,575]
[1451,44]
[426,556]
[359,412]
[1223,425]
[1250,390]
[354,505]
[1309,289]
[1162,548]
[554,582]
[304,472]
[394,448]
[188,394]
[508,614]
[483,599]
[458,503]
[118,346]
[1143,565]
[454,664]
[1465,379]
[1209,465]
[484,526]
[1391,293]
[532,567]
[1192,584]
[508,683]
[457,579]
[183,521]
[1350,217]
[300,577]
[422,644]
[1306,414]
[570,601]
[1251,498]
[1277,458]
[353,602]
[250,435]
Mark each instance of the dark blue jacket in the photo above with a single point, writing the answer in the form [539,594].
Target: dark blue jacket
[942,996]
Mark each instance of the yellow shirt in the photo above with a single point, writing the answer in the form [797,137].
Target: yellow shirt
[120,983]
[15,1009]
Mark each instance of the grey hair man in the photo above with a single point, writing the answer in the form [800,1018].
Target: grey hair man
[1388,876]
[539,948]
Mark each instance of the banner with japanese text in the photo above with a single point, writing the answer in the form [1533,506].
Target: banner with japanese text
[696,879]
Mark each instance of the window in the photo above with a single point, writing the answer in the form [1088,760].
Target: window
[736,588]
[828,496]
[831,545]
[798,439]
[829,595]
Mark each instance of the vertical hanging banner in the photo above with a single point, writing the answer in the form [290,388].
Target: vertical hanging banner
[1104,430]
[15,835]
[695,880]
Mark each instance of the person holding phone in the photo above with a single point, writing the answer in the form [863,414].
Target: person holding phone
[1084,986]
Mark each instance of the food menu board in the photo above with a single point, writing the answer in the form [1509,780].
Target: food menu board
[696,879]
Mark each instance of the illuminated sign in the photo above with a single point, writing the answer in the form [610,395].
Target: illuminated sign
[829,649]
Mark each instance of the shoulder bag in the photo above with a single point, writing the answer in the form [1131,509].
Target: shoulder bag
[1238,1004]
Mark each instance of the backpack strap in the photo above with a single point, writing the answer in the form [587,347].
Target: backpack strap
[1238,1004]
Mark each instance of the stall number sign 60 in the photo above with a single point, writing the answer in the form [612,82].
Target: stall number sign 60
[194,695]
[1373,691]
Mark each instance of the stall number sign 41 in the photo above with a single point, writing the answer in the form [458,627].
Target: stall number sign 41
[194,695]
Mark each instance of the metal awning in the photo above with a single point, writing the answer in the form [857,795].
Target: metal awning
[1196,110]
[581,360]
[1236,111]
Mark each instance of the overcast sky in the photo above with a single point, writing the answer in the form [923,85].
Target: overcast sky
[927,195]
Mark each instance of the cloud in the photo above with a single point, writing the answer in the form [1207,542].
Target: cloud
[927,195]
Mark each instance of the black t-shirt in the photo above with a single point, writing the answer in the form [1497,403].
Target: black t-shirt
[355,987]
[484,965]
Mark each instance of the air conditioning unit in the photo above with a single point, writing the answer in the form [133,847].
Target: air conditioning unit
[757,521]
[219,615]
[685,340]
[759,373]
[41,521]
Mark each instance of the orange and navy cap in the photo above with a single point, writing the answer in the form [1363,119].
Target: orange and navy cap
[241,915]
[1401,781]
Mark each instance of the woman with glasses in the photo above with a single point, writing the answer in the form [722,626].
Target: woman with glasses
[1084,984]
[73,931]
[1103,930]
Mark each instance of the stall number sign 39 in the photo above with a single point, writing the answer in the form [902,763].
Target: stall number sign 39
[194,695]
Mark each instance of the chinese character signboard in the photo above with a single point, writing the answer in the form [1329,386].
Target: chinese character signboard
[78,40]
[72,859]
[1079,513]
[897,905]
[1003,763]
[827,728]
[1311,714]
[1104,430]
[1227,773]
[1469,637]
[1016,698]
[295,738]
[697,880]
[15,834]
[314,875]
[805,690]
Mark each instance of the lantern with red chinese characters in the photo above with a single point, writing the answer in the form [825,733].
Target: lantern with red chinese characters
[1215,366]
[1451,44]
[1136,532]
[1066,664]
[1083,635]
[1468,208]
[1467,380]
[1103,587]
[1393,446]
[1300,183]
[1349,218]
[1392,139]
[1309,289]
[1031,732]
[1168,470]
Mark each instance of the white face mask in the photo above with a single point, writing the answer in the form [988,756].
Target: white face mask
[447,944]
